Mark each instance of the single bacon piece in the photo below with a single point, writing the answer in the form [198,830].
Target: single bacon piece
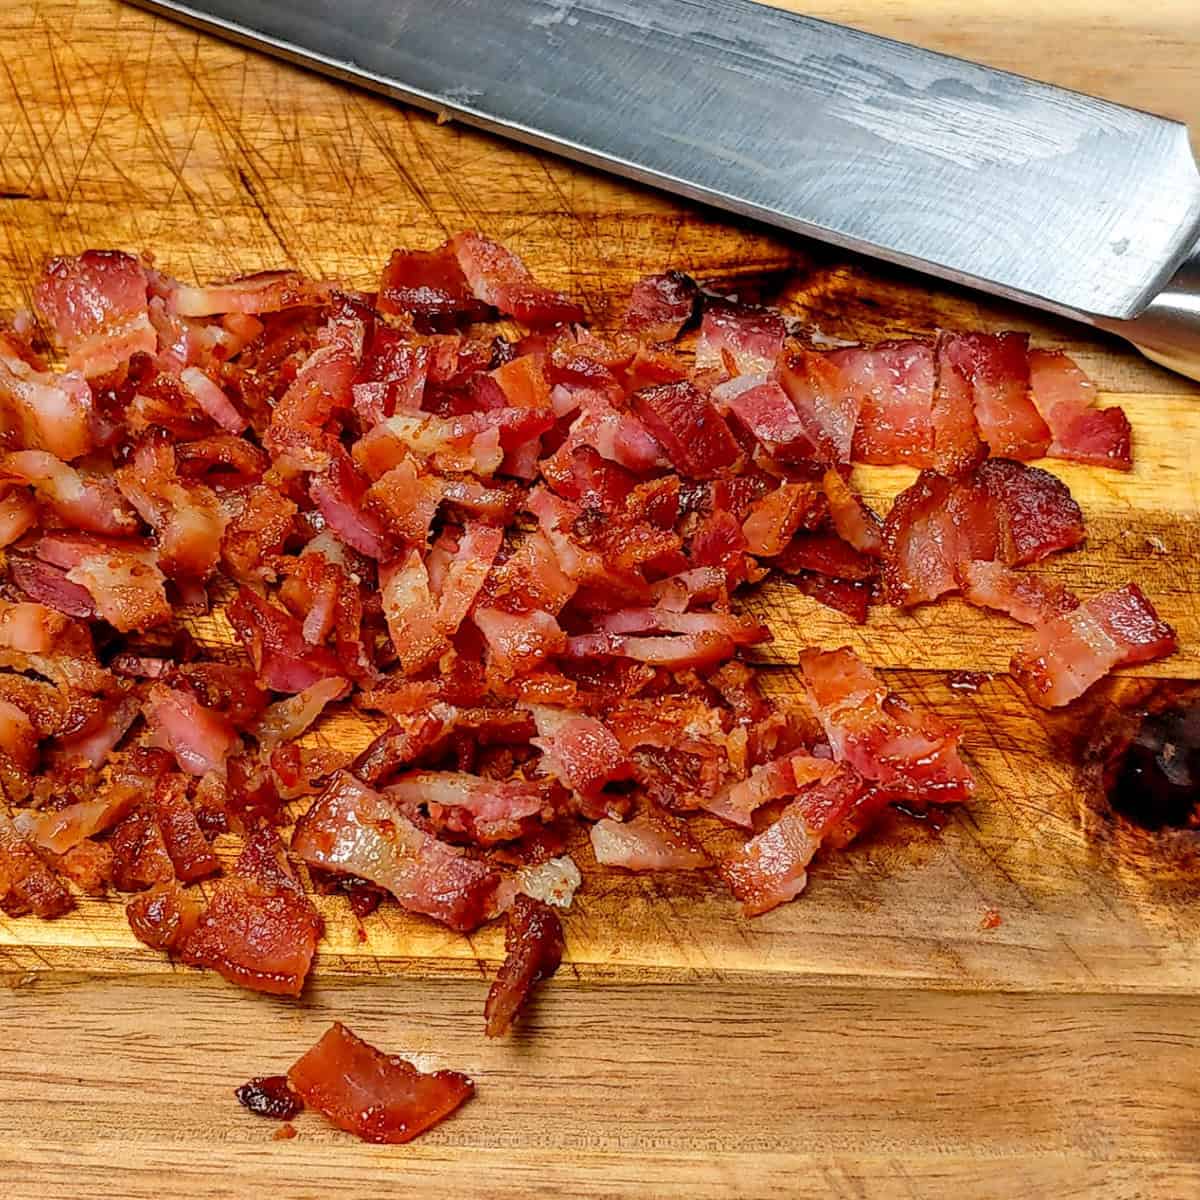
[774,780]
[996,368]
[957,446]
[378,1097]
[287,719]
[578,750]
[50,586]
[654,840]
[533,949]
[164,917]
[909,756]
[1065,397]
[407,500]
[257,533]
[265,292]
[486,810]
[827,405]
[91,503]
[199,738]
[499,278]
[411,613]
[1027,598]
[214,401]
[466,570]
[738,339]
[853,521]
[660,306]
[122,577]
[518,642]
[98,735]
[775,517]
[27,884]
[259,929]
[772,867]
[690,430]
[47,412]
[763,407]
[58,830]
[274,639]
[96,308]
[826,555]
[892,384]
[340,493]
[353,830]
[431,285]
[29,628]
[1069,653]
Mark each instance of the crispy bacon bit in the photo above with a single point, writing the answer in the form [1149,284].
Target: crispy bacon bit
[654,840]
[266,292]
[123,578]
[259,929]
[691,431]
[892,384]
[1069,653]
[770,781]
[288,719]
[660,306]
[270,1096]
[772,867]
[777,516]
[487,810]
[533,948]
[579,750]
[1065,398]
[1026,598]
[91,503]
[739,340]
[354,830]
[275,641]
[27,885]
[499,278]
[96,308]
[431,285]
[200,738]
[164,917]
[827,407]
[377,1097]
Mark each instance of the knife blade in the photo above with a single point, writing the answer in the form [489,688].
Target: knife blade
[1069,203]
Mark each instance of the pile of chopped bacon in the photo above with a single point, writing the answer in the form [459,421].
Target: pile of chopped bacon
[521,551]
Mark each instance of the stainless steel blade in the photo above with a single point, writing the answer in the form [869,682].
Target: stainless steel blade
[975,175]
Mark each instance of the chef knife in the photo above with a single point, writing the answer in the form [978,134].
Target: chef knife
[1069,203]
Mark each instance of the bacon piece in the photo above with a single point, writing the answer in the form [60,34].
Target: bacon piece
[957,446]
[690,430]
[18,514]
[27,884]
[91,503]
[827,406]
[486,810]
[909,756]
[96,308]
[378,1097]
[30,628]
[1037,513]
[554,881]
[199,738]
[50,586]
[500,279]
[517,642]
[270,1096]
[996,368]
[1029,599]
[265,292]
[763,407]
[275,641]
[431,285]
[660,306]
[826,555]
[214,401]
[353,830]
[391,377]
[58,830]
[578,750]
[775,517]
[466,572]
[774,780]
[652,841]
[97,737]
[411,614]
[1069,653]
[1065,397]
[42,411]
[772,867]
[339,494]
[259,929]
[533,949]
[739,339]
[286,720]
[407,501]
[852,520]
[122,577]
[257,533]
[164,917]
[186,517]
[892,386]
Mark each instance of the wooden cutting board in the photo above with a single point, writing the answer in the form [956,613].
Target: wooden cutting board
[881,1036]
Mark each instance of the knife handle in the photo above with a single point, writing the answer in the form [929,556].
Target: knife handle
[1168,330]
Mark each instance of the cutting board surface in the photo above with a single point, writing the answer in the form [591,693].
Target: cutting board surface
[880,1037]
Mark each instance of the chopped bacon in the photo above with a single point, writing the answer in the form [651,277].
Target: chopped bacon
[853,521]
[339,494]
[412,615]
[18,514]
[778,515]
[826,555]
[772,867]
[660,306]
[259,929]
[164,918]
[431,285]
[1027,598]
[353,830]
[486,810]
[533,949]
[274,639]
[909,756]
[50,586]
[956,445]
[27,884]
[200,738]
[690,430]
[739,340]
[96,308]
[517,642]
[58,830]
[995,366]
[266,292]
[98,736]
[1069,653]
[652,841]
[375,1096]
[91,503]
[466,572]
[827,407]
[288,719]
[892,384]
[500,279]
[210,398]
[774,780]
[30,628]
[763,407]
[270,1096]
[1065,397]
[578,750]
[257,533]
[41,411]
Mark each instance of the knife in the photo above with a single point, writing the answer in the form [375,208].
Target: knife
[1046,196]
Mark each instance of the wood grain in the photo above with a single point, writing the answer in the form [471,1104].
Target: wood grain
[872,1039]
